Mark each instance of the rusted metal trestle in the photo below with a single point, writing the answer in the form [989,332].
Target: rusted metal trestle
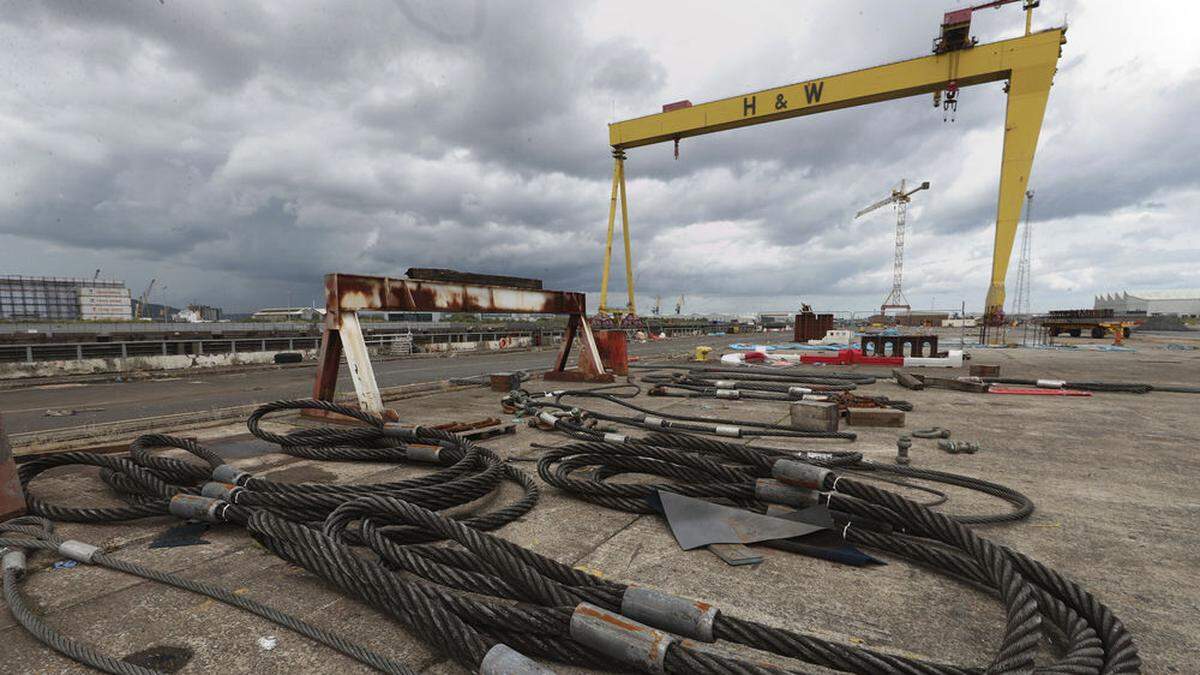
[347,294]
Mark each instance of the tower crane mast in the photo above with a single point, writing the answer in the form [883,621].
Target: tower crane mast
[1020,306]
[899,199]
[143,299]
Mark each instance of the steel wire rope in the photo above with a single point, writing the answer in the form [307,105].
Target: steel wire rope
[460,600]
[1063,602]
[39,536]
[523,400]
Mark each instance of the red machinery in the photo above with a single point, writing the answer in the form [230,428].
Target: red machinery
[956,25]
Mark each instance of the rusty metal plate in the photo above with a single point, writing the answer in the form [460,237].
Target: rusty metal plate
[352,292]
[454,276]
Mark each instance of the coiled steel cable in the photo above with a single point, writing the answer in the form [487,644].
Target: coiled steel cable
[441,607]
[544,582]
[739,391]
[528,403]
[149,481]
[676,437]
[32,533]
[459,598]
[744,383]
[760,372]
[1094,640]
[711,469]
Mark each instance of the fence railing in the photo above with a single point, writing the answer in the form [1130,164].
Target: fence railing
[387,343]
[392,343]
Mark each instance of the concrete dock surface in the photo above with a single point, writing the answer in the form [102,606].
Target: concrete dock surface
[1114,477]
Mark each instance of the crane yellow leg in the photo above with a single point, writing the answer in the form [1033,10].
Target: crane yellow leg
[608,242]
[632,308]
[1029,88]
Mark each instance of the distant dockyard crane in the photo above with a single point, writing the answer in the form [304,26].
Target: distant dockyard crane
[679,306]
[1025,64]
[1020,306]
[898,199]
[143,299]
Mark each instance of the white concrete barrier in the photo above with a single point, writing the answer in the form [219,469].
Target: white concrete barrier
[12,371]
[486,345]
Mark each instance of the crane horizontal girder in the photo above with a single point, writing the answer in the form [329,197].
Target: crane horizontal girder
[879,204]
[1028,63]
[990,62]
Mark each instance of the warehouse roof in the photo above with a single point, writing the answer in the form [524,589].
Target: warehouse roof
[1168,294]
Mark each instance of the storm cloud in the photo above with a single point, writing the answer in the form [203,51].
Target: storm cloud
[238,151]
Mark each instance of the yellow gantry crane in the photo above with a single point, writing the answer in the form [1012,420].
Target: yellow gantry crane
[1027,63]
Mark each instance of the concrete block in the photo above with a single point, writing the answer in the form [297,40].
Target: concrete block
[984,370]
[505,381]
[954,384]
[815,415]
[874,417]
[907,380]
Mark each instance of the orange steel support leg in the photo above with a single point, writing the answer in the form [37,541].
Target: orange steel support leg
[591,366]
[12,499]
[325,386]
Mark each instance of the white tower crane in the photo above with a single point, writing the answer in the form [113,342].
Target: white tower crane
[899,199]
[1020,306]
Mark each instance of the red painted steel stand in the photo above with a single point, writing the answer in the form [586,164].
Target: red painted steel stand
[590,367]
[614,350]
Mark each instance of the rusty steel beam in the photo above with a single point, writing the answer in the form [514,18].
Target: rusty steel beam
[12,499]
[353,293]
[454,276]
[348,294]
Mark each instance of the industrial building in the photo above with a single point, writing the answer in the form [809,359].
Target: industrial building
[63,299]
[288,314]
[778,320]
[912,318]
[1181,302]
[199,314]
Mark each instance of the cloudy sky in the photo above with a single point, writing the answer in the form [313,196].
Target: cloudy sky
[238,151]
